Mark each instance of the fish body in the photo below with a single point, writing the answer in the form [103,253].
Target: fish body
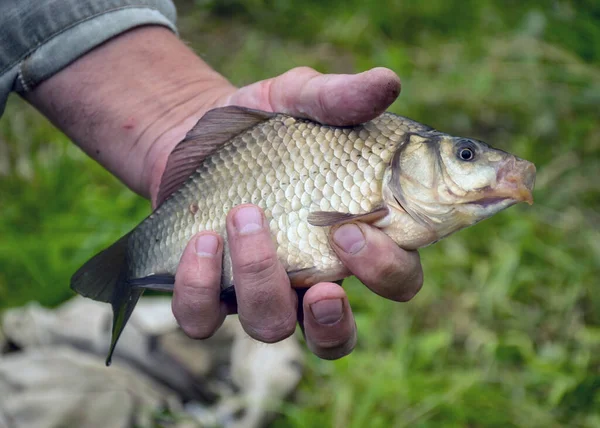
[290,168]
[415,183]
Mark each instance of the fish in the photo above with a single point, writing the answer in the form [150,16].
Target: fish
[416,184]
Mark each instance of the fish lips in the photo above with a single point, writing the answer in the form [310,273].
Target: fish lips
[515,180]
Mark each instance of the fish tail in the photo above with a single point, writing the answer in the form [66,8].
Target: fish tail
[105,278]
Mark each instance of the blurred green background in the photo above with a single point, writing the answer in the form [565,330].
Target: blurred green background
[506,331]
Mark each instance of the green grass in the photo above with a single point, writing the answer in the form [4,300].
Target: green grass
[506,331]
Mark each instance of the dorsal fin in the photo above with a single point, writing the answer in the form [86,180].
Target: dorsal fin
[214,129]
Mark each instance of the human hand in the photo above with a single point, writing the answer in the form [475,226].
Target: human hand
[268,307]
[128,102]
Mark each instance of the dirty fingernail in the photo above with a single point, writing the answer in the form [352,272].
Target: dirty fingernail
[327,312]
[206,245]
[248,220]
[349,238]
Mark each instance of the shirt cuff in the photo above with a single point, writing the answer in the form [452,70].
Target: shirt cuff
[38,39]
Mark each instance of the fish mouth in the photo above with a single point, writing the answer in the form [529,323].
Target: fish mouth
[490,198]
[515,180]
[489,201]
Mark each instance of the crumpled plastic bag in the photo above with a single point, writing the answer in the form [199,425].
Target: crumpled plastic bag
[62,387]
[56,376]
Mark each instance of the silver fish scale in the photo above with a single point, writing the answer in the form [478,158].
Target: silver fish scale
[289,167]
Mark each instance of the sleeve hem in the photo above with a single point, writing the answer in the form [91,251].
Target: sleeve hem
[65,47]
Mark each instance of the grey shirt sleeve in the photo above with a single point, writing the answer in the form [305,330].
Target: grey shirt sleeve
[40,37]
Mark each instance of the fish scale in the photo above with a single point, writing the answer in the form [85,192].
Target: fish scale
[313,172]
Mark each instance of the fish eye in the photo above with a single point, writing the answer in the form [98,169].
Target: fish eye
[466,152]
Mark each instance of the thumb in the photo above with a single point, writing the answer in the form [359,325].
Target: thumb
[333,99]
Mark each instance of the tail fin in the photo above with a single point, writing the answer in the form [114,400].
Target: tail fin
[105,278]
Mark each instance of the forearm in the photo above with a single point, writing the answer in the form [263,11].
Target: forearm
[129,101]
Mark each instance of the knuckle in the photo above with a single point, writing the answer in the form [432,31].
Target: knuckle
[261,299]
[192,308]
[196,292]
[304,70]
[197,331]
[195,278]
[190,326]
[256,264]
[257,267]
[187,282]
[274,332]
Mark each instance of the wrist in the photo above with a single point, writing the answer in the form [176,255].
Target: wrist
[129,101]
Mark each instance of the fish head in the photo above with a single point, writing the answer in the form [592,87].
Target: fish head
[447,183]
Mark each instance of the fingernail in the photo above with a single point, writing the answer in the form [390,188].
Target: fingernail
[248,220]
[327,312]
[349,238]
[206,245]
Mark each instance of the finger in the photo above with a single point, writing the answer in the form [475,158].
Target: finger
[334,99]
[378,262]
[328,324]
[196,303]
[266,302]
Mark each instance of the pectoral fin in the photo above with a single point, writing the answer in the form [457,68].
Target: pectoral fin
[334,218]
